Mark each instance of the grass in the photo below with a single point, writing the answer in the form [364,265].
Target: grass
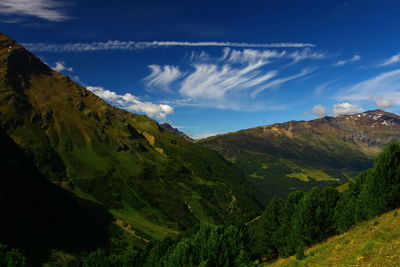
[194,205]
[372,243]
[141,225]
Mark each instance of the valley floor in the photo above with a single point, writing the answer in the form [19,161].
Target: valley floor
[372,243]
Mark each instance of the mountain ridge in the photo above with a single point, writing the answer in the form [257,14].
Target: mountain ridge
[302,154]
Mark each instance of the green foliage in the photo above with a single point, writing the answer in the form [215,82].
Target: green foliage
[210,246]
[314,219]
[300,253]
[11,258]
[283,238]
[308,218]
[263,242]
[381,191]
[347,207]
[101,258]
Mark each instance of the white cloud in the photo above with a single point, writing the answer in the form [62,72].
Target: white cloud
[202,56]
[132,103]
[345,109]
[252,55]
[383,89]
[280,81]
[44,9]
[306,54]
[319,111]
[131,45]
[215,84]
[342,62]
[234,80]
[60,66]
[390,61]
[339,63]
[382,102]
[355,58]
[163,76]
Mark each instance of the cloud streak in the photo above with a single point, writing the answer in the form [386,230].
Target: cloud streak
[231,81]
[163,77]
[383,89]
[44,9]
[132,103]
[278,82]
[252,55]
[133,45]
[217,85]
[342,62]
[395,59]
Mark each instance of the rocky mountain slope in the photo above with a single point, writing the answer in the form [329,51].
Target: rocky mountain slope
[283,157]
[169,127]
[150,178]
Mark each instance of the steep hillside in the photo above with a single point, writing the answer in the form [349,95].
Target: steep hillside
[36,215]
[283,157]
[372,243]
[168,127]
[150,178]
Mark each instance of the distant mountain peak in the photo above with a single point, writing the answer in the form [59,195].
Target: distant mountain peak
[171,129]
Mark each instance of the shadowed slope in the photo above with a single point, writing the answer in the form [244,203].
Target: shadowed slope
[36,215]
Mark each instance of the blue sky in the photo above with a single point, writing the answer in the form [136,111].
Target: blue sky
[211,67]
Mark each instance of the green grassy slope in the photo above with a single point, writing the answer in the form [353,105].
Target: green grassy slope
[372,243]
[148,176]
[298,155]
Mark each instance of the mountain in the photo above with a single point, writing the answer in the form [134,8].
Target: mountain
[283,157]
[36,215]
[149,177]
[372,243]
[168,127]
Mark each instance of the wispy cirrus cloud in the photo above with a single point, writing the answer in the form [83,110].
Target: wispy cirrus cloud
[212,82]
[44,9]
[132,103]
[278,82]
[342,62]
[383,89]
[339,63]
[132,45]
[163,76]
[233,80]
[251,55]
[395,59]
